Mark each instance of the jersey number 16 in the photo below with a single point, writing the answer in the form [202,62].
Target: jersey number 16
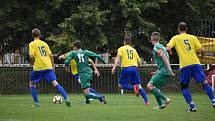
[42,50]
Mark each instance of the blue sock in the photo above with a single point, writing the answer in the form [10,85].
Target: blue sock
[188,97]
[143,94]
[209,91]
[93,91]
[61,91]
[34,94]
[128,87]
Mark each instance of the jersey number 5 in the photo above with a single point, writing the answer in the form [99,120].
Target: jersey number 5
[81,57]
[188,44]
[130,54]
[42,50]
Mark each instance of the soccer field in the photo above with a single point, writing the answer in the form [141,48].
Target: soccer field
[125,107]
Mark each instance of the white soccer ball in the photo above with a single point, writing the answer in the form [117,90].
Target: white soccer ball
[57,99]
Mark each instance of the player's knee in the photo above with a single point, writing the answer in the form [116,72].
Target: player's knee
[149,86]
[139,86]
[32,84]
[184,86]
[54,83]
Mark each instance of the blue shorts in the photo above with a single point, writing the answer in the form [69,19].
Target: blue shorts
[48,75]
[76,77]
[129,74]
[195,71]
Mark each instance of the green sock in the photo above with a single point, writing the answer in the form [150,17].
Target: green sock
[159,101]
[158,92]
[92,95]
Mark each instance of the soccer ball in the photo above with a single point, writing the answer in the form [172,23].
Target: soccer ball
[57,99]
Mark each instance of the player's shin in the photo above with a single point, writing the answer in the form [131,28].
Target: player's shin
[143,93]
[209,91]
[188,98]
[93,91]
[61,91]
[34,94]
[159,93]
[159,101]
[91,96]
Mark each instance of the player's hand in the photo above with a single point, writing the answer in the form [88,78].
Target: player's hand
[113,70]
[172,73]
[153,73]
[97,73]
[61,57]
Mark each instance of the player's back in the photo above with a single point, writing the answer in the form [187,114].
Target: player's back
[186,46]
[82,61]
[129,56]
[40,50]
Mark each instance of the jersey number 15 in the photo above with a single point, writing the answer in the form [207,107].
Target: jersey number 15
[130,54]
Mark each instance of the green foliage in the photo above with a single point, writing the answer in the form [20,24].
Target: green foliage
[99,24]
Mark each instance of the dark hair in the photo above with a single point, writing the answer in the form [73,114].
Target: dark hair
[35,32]
[127,40]
[182,26]
[77,44]
[156,36]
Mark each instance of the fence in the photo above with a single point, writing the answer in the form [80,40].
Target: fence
[15,79]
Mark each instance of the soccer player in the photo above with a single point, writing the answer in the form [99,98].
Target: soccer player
[186,46]
[84,70]
[76,75]
[43,67]
[129,62]
[163,73]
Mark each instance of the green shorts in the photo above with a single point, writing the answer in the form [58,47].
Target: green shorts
[85,79]
[159,79]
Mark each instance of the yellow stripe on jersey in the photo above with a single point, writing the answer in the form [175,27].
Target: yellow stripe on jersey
[73,65]
[186,46]
[129,56]
[40,51]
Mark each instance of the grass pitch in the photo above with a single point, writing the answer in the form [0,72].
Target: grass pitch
[125,107]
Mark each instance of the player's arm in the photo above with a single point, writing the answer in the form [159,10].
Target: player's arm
[64,55]
[32,60]
[199,48]
[92,54]
[96,71]
[202,52]
[68,58]
[116,61]
[50,56]
[165,60]
[138,59]
[170,45]
[31,54]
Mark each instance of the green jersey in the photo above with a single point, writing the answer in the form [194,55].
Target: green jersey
[81,58]
[158,48]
